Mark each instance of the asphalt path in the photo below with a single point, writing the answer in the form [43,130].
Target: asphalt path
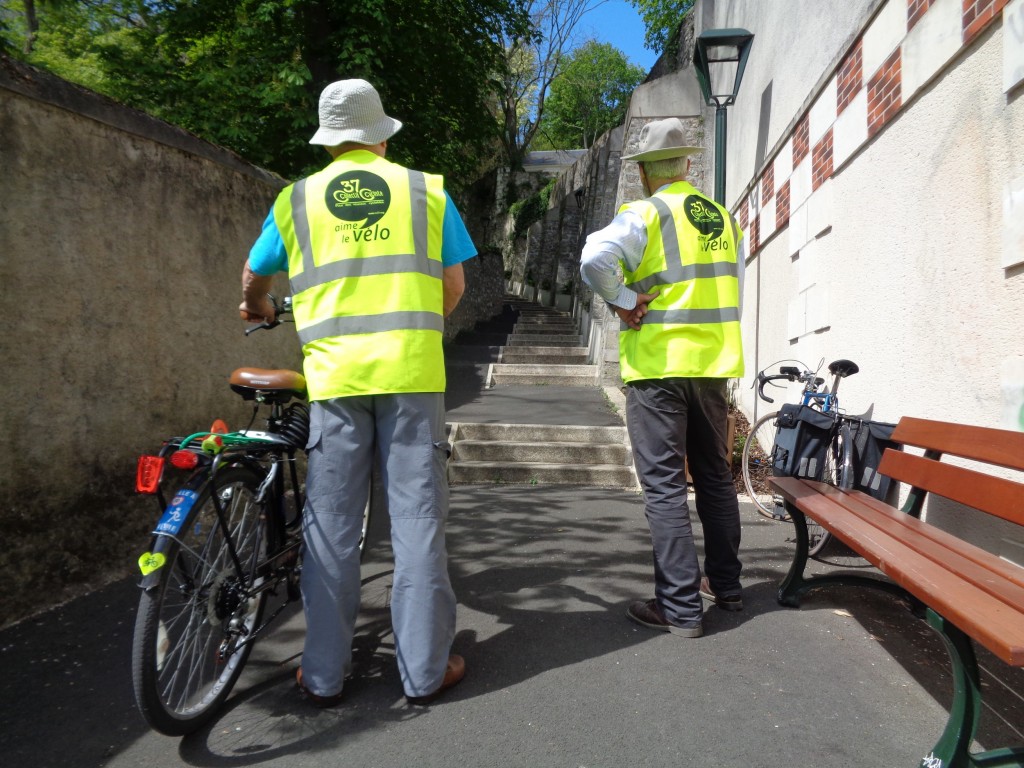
[557,676]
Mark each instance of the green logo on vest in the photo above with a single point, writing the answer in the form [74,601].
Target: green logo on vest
[708,221]
[704,216]
[359,197]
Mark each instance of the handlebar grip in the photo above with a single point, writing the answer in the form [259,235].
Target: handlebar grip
[761,381]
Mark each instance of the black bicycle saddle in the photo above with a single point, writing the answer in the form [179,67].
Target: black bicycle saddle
[843,368]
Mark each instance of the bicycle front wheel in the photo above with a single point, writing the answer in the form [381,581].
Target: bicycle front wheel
[189,648]
[838,471]
[757,467]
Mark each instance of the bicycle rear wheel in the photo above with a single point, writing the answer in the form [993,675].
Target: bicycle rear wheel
[838,471]
[187,651]
[757,468]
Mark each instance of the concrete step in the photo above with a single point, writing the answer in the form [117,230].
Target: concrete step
[538,375]
[542,329]
[542,320]
[545,351]
[543,340]
[546,368]
[513,355]
[538,452]
[537,473]
[543,433]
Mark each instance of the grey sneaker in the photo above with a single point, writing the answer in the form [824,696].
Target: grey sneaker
[725,602]
[648,613]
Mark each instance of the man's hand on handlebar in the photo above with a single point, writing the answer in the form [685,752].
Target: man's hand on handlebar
[258,310]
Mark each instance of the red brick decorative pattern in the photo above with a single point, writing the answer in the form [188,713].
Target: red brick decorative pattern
[821,161]
[768,183]
[884,101]
[977,14]
[850,78]
[801,140]
[782,205]
[915,10]
[884,93]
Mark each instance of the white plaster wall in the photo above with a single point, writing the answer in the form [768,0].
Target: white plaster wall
[795,43]
[917,294]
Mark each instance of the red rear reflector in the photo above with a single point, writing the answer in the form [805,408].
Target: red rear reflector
[184,459]
[147,474]
[219,427]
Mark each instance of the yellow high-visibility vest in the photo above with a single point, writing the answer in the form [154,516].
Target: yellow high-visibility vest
[364,261]
[692,328]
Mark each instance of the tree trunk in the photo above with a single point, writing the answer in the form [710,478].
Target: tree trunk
[32,23]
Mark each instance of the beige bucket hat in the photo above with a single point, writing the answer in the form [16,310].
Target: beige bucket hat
[662,139]
[350,110]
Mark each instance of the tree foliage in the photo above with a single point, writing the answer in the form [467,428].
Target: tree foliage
[661,21]
[590,96]
[469,78]
[533,61]
[247,74]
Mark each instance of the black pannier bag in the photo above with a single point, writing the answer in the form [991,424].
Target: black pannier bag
[870,439]
[801,442]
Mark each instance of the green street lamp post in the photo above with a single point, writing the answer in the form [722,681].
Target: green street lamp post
[727,50]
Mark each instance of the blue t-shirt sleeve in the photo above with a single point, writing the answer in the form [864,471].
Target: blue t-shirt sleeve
[456,245]
[268,255]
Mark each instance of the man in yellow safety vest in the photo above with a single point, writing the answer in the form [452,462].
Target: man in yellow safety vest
[374,255]
[680,256]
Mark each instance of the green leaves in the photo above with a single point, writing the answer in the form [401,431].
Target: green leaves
[661,20]
[247,74]
[589,96]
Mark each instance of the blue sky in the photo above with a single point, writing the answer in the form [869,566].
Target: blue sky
[617,22]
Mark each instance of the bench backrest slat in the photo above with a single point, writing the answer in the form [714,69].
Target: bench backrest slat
[992,446]
[996,496]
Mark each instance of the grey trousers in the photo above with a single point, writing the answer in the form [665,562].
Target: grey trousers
[406,432]
[669,421]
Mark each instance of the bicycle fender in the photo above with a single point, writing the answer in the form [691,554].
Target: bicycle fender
[170,523]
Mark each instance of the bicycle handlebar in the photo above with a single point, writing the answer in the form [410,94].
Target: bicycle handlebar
[284,308]
[790,373]
[762,379]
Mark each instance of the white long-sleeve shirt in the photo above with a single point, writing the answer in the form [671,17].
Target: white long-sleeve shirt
[621,245]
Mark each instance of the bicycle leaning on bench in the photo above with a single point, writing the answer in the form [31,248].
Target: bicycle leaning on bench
[763,455]
[229,538]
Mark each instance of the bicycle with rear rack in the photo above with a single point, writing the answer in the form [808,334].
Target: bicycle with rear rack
[229,537]
[762,456]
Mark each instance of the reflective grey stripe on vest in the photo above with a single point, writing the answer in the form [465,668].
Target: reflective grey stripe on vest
[679,274]
[418,261]
[356,324]
[674,271]
[300,222]
[689,316]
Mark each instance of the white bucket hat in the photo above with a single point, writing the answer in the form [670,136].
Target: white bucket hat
[350,110]
[662,139]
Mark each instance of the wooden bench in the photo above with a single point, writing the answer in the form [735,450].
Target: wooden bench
[965,593]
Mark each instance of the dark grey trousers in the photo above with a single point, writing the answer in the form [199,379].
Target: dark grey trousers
[670,421]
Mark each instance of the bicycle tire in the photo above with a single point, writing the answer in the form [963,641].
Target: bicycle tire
[756,464]
[184,663]
[837,471]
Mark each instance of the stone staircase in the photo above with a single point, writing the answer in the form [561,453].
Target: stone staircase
[540,454]
[538,362]
[544,348]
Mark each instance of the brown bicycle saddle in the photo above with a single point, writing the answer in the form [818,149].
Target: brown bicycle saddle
[280,385]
